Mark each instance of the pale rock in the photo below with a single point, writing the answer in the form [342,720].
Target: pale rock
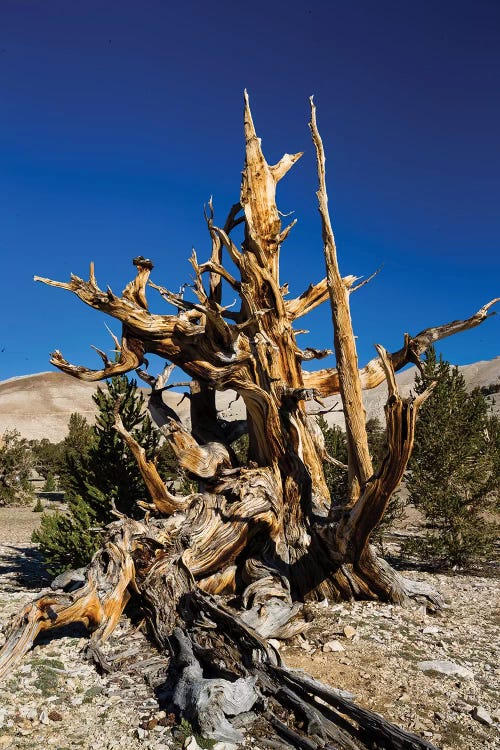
[418,725]
[333,646]
[28,712]
[445,667]
[275,643]
[349,631]
[430,630]
[44,717]
[191,744]
[224,746]
[481,715]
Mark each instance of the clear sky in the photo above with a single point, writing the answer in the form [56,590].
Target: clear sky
[119,119]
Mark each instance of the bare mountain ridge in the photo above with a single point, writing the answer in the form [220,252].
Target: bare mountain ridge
[39,406]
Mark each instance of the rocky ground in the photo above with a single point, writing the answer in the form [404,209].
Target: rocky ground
[56,699]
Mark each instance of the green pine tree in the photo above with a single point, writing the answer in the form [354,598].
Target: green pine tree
[74,449]
[16,465]
[336,447]
[453,471]
[377,440]
[48,457]
[50,484]
[101,474]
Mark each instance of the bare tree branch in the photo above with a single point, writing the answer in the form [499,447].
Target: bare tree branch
[360,464]
[326,382]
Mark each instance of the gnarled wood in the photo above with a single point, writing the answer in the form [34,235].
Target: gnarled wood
[98,604]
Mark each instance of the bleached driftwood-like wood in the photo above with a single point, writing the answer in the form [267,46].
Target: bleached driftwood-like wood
[359,459]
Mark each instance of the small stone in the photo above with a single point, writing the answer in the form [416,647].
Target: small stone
[481,715]
[427,733]
[418,725]
[349,631]
[430,630]
[141,733]
[445,667]
[191,744]
[404,698]
[333,646]
[44,716]
[274,643]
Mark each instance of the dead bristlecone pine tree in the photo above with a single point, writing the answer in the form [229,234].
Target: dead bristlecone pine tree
[218,572]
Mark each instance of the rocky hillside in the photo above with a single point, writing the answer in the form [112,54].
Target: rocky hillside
[40,405]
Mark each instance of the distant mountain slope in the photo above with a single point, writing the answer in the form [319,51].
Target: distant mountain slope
[40,405]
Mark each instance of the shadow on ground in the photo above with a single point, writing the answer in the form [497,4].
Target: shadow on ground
[22,566]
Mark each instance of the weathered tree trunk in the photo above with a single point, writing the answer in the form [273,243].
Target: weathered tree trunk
[267,532]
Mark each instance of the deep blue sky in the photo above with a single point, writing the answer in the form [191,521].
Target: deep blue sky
[119,119]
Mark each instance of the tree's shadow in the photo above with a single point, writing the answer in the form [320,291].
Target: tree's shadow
[22,567]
